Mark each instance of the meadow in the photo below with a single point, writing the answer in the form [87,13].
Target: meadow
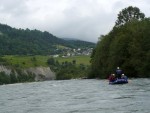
[34,61]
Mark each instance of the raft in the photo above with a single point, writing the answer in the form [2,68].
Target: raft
[119,81]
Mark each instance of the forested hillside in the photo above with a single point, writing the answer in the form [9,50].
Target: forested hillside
[33,42]
[126,46]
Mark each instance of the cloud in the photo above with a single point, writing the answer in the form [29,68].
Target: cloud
[81,19]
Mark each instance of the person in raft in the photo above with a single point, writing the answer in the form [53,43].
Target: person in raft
[124,76]
[119,72]
[112,78]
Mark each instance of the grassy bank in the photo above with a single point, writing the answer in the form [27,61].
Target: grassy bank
[34,61]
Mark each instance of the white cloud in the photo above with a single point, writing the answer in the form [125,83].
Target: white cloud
[82,19]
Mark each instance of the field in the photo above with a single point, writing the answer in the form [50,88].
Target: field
[34,61]
[79,59]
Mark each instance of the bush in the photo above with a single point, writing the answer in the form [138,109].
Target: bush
[4,79]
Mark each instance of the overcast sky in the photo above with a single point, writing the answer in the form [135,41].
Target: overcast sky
[80,19]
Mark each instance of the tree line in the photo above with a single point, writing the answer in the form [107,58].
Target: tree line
[127,45]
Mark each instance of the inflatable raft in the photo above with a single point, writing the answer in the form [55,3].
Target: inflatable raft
[119,81]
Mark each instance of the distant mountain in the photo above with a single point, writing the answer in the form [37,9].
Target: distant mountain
[69,39]
[80,43]
[34,42]
[73,39]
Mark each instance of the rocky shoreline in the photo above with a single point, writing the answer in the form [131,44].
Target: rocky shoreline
[41,73]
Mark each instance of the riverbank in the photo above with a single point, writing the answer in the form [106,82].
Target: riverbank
[15,69]
[10,74]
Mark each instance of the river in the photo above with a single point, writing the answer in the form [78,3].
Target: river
[76,96]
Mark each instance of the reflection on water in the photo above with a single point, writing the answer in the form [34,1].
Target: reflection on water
[76,96]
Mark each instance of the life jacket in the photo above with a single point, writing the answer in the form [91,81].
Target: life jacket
[118,71]
[112,78]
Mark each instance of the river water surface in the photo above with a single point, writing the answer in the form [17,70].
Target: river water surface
[76,96]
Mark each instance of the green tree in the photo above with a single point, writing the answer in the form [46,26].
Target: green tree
[51,61]
[13,77]
[4,79]
[74,62]
[128,14]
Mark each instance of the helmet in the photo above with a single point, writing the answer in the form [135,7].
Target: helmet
[117,67]
[123,74]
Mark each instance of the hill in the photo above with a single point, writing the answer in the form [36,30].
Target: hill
[79,43]
[34,42]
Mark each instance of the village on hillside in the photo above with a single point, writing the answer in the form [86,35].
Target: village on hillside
[68,52]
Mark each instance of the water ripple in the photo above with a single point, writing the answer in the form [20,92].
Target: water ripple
[76,96]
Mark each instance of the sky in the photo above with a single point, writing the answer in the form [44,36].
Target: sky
[77,19]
